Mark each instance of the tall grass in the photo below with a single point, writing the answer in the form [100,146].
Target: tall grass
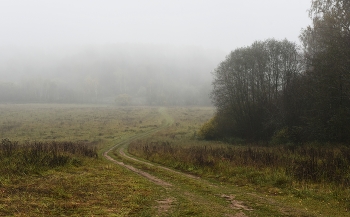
[299,163]
[35,156]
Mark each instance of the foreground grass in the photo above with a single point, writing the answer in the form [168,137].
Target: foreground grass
[311,177]
[95,188]
[53,182]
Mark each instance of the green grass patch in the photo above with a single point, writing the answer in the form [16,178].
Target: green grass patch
[53,170]
[94,188]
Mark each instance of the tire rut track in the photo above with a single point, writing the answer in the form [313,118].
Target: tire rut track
[150,177]
[166,204]
[122,153]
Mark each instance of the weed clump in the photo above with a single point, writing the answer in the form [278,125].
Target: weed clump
[33,157]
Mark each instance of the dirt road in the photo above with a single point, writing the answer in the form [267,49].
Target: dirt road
[189,195]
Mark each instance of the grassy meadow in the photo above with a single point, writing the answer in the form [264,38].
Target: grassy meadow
[52,166]
[89,123]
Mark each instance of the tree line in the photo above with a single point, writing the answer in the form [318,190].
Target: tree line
[122,74]
[275,91]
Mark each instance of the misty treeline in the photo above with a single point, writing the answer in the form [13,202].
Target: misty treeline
[122,74]
[274,91]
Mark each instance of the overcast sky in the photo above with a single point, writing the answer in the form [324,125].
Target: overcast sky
[218,24]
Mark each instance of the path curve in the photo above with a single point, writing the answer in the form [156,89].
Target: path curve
[142,173]
[233,203]
[123,145]
[138,171]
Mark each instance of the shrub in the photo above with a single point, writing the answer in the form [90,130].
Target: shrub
[281,137]
[209,130]
[37,156]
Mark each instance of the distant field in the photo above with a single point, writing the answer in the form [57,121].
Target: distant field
[90,123]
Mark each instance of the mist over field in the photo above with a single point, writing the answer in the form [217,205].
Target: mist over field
[161,107]
[125,74]
[130,52]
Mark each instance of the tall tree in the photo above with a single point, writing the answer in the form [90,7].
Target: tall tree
[247,87]
[327,51]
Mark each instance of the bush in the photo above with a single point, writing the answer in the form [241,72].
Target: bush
[281,137]
[38,156]
[209,130]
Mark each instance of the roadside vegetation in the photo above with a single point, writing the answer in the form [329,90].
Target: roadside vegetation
[34,157]
[316,176]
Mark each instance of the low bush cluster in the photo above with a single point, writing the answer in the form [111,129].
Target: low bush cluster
[32,157]
[209,130]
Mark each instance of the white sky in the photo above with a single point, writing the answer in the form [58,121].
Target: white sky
[218,24]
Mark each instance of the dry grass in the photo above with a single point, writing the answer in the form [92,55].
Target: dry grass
[88,123]
[317,175]
[95,188]
[54,174]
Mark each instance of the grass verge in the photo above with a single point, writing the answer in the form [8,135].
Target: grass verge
[312,177]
